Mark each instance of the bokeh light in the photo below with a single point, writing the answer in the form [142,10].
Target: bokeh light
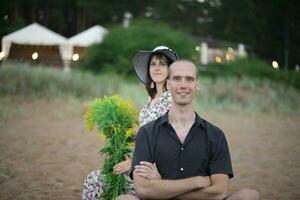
[75,57]
[35,56]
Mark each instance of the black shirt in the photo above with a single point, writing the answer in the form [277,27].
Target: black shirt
[203,153]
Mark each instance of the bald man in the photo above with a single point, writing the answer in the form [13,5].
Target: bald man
[180,155]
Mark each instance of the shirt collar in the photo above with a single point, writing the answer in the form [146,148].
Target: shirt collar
[199,121]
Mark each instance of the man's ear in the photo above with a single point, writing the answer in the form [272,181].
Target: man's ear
[168,84]
[198,85]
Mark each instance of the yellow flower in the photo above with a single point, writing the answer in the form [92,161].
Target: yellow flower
[115,120]
[111,113]
[130,132]
[89,119]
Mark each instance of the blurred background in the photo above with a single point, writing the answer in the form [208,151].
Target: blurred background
[58,56]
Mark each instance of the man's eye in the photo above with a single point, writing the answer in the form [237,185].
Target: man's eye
[190,79]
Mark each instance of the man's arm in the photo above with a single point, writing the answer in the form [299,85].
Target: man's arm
[218,190]
[166,189]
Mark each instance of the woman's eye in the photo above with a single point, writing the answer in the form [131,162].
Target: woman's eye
[163,63]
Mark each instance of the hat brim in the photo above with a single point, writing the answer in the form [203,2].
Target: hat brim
[140,62]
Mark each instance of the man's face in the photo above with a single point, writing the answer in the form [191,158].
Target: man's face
[183,82]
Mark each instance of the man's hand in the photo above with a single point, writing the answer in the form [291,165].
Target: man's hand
[122,167]
[147,170]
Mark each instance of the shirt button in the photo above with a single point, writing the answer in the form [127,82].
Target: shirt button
[181,169]
[182,149]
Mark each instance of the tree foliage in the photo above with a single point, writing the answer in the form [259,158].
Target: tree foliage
[117,49]
[270,29]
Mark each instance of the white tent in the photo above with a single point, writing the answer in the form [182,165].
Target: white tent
[34,34]
[85,39]
[88,37]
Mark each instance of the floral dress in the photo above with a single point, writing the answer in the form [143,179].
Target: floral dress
[94,183]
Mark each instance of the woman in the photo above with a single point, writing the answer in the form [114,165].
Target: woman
[152,70]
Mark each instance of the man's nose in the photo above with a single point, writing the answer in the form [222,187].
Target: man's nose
[183,83]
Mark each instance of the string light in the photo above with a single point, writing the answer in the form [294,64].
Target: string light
[35,56]
[229,56]
[218,59]
[75,57]
[197,48]
[275,64]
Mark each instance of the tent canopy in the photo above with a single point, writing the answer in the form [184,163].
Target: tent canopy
[33,34]
[88,37]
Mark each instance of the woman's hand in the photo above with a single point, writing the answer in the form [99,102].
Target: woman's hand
[122,167]
[147,170]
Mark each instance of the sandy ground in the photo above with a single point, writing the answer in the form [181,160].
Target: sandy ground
[46,153]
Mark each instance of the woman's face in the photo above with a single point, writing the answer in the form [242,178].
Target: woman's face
[158,70]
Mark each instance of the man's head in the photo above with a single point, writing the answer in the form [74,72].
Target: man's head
[183,82]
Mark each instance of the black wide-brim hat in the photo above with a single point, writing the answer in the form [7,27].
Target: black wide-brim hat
[140,60]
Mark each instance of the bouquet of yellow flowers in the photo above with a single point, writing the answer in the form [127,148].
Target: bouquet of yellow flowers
[115,119]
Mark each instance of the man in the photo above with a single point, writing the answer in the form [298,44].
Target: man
[180,155]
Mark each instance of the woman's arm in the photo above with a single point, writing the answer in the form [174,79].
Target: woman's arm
[122,167]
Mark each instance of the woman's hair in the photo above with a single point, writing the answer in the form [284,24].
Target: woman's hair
[152,91]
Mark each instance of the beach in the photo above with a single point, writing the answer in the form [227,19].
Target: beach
[46,152]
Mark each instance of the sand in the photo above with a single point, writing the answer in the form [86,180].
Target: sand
[46,153]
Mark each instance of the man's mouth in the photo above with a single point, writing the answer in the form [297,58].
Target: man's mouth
[184,93]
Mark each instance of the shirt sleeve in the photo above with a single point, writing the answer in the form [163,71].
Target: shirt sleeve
[143,148]
[220,162]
